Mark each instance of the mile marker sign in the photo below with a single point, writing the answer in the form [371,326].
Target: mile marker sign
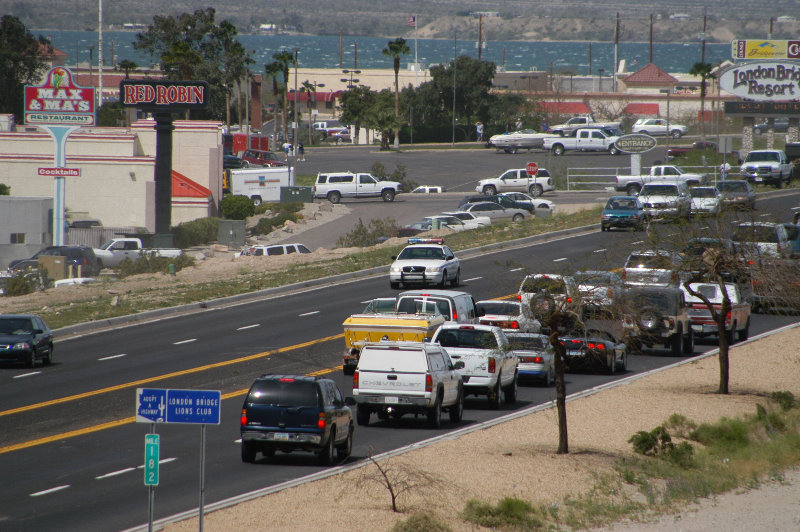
[532,169]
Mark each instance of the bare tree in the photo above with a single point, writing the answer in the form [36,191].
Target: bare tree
[398,478]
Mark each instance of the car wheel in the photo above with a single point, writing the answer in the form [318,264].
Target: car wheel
[536,190]
[394,286]
[611,365]
[256,200]
[623,364]
[510,392]
[688,343]
[248,452]
[334,197]
[443,281]
[387,195]
[489,190]
[496,396]
[343,451]
[457,280]
[632,190]
[558,149]
[676,134]
[603,228]
[517,217]
[49,358]
[643,132]
[613,150]
[549,379]
[245,164]
[676,342]
[435,414]
[457,410]
[326,455]
[362,415]
[744,334]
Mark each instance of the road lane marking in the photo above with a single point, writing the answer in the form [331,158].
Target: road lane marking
[140,382]
[561,259]
[189,341]
[116,473]
[601,250]
[249,327]
[51,490]
[113,357]
[237,441]
[164,461]
[31,374]
[637,242]
[308,313]
[516,269]
[472,279]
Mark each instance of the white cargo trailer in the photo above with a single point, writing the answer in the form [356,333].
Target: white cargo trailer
[261,184]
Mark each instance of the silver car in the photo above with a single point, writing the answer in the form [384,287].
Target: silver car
[737,193]
[508,315]
[666,200]
[536,356]
[652,268]
[495,211]
[706,200]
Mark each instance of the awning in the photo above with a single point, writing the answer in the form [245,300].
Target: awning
[641,109]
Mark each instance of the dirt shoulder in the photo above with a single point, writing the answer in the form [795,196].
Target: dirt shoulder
[517,458]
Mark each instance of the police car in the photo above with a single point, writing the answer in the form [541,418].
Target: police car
[425,261]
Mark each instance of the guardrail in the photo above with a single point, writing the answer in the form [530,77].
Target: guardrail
[594,178]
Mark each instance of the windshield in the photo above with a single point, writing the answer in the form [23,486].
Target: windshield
[658,262]
[759,156]
[410,305]
[621,204]
[755,233]
[421,252]
[547,284]
[593,278]
[663,301]
[659,190]
[286,392]
[527,343]
[468,338]
[506,308]
[732,186]
[704,192]
[15,326]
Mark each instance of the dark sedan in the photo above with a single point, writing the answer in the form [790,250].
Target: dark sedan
[737,193]
[232,161]
[82,256]
[25,338]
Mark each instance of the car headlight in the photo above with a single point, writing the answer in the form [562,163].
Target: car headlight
[434,268]
[396,269]
[21,346]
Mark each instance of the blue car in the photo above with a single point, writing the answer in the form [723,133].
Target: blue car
[623,212]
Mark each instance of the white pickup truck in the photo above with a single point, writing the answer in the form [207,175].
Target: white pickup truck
[632,184]
[396,378]
[517,180]
[490,364]
[577,122]
[113,252]
[770,167]
[588,139]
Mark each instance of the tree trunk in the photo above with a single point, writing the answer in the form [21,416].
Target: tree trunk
[724,362]
[561,397]
[284,114]
[397,105]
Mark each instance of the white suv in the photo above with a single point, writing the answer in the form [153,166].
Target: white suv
[425,261]
[658,126]
[517,180]
[338,185]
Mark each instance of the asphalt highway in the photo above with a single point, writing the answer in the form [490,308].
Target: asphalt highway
[67,435]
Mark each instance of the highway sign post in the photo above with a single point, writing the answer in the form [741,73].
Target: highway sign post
[532,169]
[159,405]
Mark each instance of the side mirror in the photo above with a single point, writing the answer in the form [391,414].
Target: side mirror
[37,331]
[394,257]
[458,364]
[349,401]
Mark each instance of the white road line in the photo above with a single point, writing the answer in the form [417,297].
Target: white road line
[601,250]
[472,279]
[560,260]
[115,473]
[164,461]
[516,269]
[51,490]
[31,374]
[113,356]
[185,341]
[637,242]
[765,214]
[237,441]
[308,313]
[249,327]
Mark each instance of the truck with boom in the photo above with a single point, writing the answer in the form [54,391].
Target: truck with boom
[632,184]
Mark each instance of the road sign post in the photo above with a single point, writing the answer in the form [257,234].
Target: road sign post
[152,454]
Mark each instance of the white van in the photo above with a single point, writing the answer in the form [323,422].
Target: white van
[262,185]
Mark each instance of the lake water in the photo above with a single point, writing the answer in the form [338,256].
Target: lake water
[323,52]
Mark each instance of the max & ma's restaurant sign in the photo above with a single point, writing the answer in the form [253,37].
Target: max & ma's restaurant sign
[763,80]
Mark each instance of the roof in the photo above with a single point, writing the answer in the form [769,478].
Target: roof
[650,74]
[321,96]
[184,187]
[568,108]
[648,109]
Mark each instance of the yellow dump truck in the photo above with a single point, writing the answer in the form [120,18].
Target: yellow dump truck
[365,327]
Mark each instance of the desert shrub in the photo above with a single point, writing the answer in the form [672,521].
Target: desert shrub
[420,522]
[784,399]
[196,232]
[150,263]
[20,284]
[368,234]
[5,190]
[237,207]
[510,513]
[724,434]
[653,443]
[399,175]
[680,425]
[281,213]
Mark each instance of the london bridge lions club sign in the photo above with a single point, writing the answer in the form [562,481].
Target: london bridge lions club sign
[763,80]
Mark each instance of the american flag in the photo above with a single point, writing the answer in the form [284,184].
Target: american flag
[412,21]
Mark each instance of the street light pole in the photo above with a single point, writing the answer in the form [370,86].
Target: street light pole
[667,91]
[294,107]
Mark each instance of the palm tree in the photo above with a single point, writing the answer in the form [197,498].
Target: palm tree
[274,70]
[284,59]
[704,71]
[395,49]
[126,65]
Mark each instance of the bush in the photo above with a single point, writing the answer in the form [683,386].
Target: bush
[369,234]
[5,190]
[281,213]
[237,207]
[420,522]
[658,443]
[196,232]
[510,513]
[150,263]
[399,175]
[784,399]
[725,434]
[20,284]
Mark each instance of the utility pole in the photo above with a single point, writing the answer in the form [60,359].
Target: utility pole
[590,58]
[616,56]
[480,36]
[703,36]
[651,38]
[769,35]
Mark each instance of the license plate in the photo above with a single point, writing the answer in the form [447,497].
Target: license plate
[698,328]
[281,436]
[391,400]
[574,353]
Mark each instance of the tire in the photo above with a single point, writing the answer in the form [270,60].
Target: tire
[561,133]
[675,134]
[643,132]
[496,396]
[676,344]
[456,411]
[744,334]
[326,455]
[334,197]
[457,281]
[688,343]
[632,190]
[256,200]
[387,195]
[362,416]
[343,451]
[49,358]
[510,391]
[435,414]
[31,362]
[517,218]
[348,369]
[613,150]
[623,366]
[558,149]
[443,282]
[394,286]
[489,190]
[248,452]
[536,190]
[603,228]
[245,164]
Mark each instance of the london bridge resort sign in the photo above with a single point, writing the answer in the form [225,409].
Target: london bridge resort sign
[763,80]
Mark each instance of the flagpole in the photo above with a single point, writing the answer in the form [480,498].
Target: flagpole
[416,60]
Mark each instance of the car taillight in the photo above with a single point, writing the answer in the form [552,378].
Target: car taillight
[428,382]
[492,365]
[321,421]
[455,315]
[355,380]
[569,300]
[243,419]
[597,345]
[610,292]
[519,297]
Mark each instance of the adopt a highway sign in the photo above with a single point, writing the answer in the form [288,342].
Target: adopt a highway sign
[157,405]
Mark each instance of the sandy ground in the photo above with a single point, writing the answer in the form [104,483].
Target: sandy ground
[517,458]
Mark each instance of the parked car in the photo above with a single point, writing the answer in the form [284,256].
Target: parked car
[495,211]
[508,315]
[337,185]
[232,161]
[468,217]
[658,126]
[623,212]
[780,125]
[85,223]
[530,203]
[706,200]
[425,261]
[25,338]
[397,378]
[427,189]
[82,256]
[274,250]
[503,200]
[737,194]
[261,158]
[536,356]
[290,413]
